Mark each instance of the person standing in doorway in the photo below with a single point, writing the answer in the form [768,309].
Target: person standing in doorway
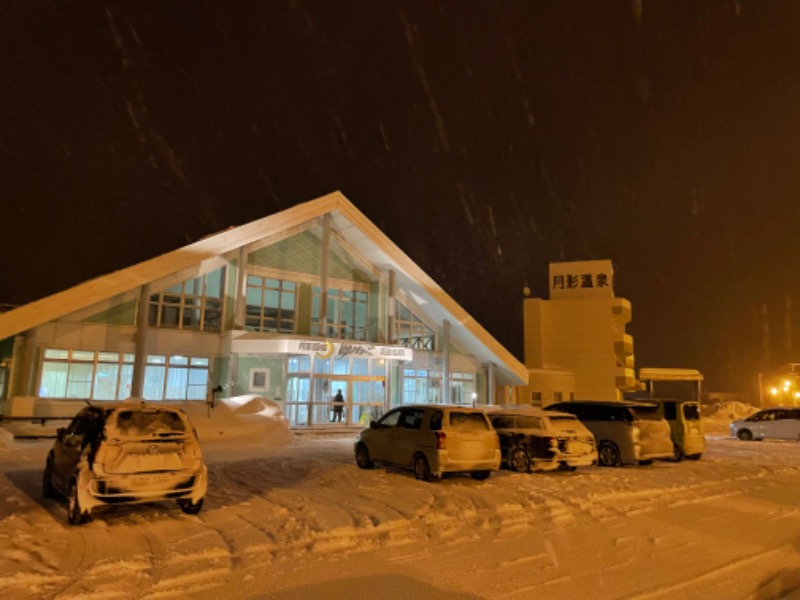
[338,406]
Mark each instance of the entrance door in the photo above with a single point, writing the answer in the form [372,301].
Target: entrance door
[368,399]
[297,400]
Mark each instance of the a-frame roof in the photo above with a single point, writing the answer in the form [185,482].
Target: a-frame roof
[353,230]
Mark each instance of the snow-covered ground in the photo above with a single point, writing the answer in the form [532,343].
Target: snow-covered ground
[292,517]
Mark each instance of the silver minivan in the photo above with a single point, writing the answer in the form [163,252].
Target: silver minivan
[780,423]
[431,439]
[625,432]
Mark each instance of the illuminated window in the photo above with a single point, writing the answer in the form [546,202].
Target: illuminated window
[411,331]
[270,305]
[193,304]
[346,314]
[86,374]
[176,378]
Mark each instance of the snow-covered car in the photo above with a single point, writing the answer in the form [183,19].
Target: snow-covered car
[781,423]
[625,432]
[431,439]
[127,453]
[532,439]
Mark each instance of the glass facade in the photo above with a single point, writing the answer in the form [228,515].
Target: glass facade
[270,305]
[193,304]
[94,375]
[346,316]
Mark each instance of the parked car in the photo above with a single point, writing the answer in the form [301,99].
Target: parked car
[533,439]
[625,432]
[432,440]
[685,427]
[126,453]
[781,423]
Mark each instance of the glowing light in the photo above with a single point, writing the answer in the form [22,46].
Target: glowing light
[773,391]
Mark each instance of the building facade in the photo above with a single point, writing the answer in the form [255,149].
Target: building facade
[575,342]
[293,307]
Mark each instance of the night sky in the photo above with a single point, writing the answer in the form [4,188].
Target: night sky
[485,138]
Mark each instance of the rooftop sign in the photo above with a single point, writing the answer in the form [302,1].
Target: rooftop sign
[581,279]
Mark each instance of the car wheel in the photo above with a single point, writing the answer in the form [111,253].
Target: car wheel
[694,456]
[76,515]
[608,454]
[362,457]
[189,507]
[519,459]
[47,480]
[745,434]
[677,453]
[422,470]
[480,475]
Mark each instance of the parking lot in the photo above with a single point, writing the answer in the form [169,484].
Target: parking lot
[297,520]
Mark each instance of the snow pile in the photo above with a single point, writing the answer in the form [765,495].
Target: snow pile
[241,419]
[717,418]
[6,438]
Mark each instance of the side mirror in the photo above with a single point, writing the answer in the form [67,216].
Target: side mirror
[373,424]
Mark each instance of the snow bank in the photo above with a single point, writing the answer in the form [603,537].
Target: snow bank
[241,419]
[718,417]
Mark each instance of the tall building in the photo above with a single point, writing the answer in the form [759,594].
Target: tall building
[295,306]
[575,342]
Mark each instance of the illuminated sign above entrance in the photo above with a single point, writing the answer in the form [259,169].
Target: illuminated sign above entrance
[252,343]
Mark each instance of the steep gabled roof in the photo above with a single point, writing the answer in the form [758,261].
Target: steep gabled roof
[353,230]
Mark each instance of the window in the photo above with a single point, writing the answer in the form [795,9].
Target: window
[346,315]
[410,330]
[270,305]
[193,304]
[557,396]
[86,374]
[175,378]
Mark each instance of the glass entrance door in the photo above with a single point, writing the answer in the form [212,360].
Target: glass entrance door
[368,400]
[297,400]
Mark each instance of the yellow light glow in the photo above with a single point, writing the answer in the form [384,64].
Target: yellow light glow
[773,391]
[787,384]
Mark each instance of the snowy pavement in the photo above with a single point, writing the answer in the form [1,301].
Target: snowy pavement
[300,520]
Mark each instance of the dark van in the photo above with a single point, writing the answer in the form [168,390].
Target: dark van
[625,432]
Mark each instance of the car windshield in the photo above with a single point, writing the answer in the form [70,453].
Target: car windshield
[564,422]
[468,421]
[646,413]
[141,423]
[691,412]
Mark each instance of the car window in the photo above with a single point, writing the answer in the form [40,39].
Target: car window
[794,413]
[436,420]
[691,412]
[781,414]
[137,423]
[503,422]
[467,421]
[390,419]
[411,419]
[646,413]
[529,422]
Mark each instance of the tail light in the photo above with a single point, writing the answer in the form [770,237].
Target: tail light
[441,440]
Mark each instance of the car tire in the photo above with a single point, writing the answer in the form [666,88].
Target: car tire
[480,475]
[519,459]
[363,459]
[677,453]
[745,435]
[608,455]
[48,491]
[76,515]
[422,470]
[694,456]
[189,507]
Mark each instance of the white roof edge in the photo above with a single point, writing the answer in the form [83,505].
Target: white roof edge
[106,286]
